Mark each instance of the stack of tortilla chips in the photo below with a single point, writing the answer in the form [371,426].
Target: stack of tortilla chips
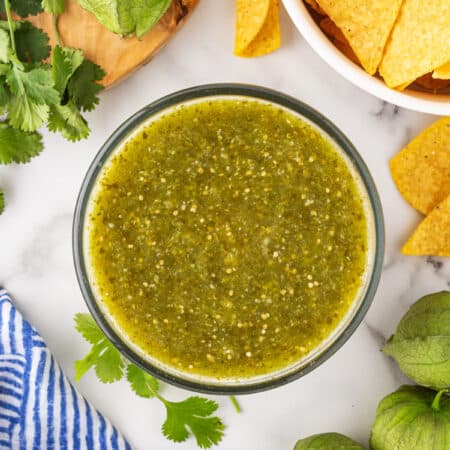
[405,41]
[421,172]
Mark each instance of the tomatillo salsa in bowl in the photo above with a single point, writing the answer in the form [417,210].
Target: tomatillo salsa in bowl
[228,238]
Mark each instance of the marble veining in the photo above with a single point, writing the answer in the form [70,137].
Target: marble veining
[36,256]
[386,110]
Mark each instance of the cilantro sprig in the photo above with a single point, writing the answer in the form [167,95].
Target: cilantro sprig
[23,8]
[192,416]
[36,91]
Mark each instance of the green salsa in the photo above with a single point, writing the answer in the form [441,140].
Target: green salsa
[227,238]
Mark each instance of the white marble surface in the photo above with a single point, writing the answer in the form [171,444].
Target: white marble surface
[36,255]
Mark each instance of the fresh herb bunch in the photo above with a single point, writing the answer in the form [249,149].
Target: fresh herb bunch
[36,91]
[192,416]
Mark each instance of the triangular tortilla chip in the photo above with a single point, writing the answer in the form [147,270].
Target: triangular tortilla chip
[345,48]
[250,18]
[338,39]
[269,37]
[403,86]
[421,170]
[257,27]
[419,43]
[366,24]
[332,30]
[432,236]
[443,72]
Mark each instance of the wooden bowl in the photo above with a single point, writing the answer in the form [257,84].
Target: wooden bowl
[118,56]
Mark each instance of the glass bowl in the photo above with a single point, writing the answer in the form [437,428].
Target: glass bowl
[352,318]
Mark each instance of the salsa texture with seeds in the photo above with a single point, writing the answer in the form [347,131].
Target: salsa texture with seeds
[228,238]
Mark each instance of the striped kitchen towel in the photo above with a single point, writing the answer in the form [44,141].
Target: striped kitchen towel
[39,407]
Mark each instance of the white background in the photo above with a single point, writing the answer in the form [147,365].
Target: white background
[36,255]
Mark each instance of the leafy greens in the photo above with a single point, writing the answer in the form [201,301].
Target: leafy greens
[23,8]
[34,92]
[192,416]
[127,17]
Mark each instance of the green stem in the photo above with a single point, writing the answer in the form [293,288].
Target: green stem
[55,28]
[235,403]
[160,398]
[437,399]
[11,25]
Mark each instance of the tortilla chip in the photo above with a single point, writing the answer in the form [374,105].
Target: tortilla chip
[250,18]
[421,170]
[338,39]
[345,48]
[432,236]
[432,84]
[402,87]
[419,43]
[315,6]
[257,27]
[443,72]
[366,24]
[332,30]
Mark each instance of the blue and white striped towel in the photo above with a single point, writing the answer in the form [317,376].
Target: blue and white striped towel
[39,408]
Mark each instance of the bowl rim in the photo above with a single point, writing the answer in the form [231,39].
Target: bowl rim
[199,92]
[414,100]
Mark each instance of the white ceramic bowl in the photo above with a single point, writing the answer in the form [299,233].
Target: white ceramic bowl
[417,101]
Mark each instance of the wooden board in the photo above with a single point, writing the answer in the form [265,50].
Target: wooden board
[118,56]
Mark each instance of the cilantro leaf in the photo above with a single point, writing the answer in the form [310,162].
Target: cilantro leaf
[106,360]
[83,87]
[2,202]
[5,44]
[4,94]
[109,366]
[68,120]
[90,360]
[86,326]
[18,146]
[65,61]
[54,6]
[103,355]
[193,415]
[24,8]
[25,114]
[141,382]
[31,42]
[66,117]
[33,91]
[190,416]
[37,84]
